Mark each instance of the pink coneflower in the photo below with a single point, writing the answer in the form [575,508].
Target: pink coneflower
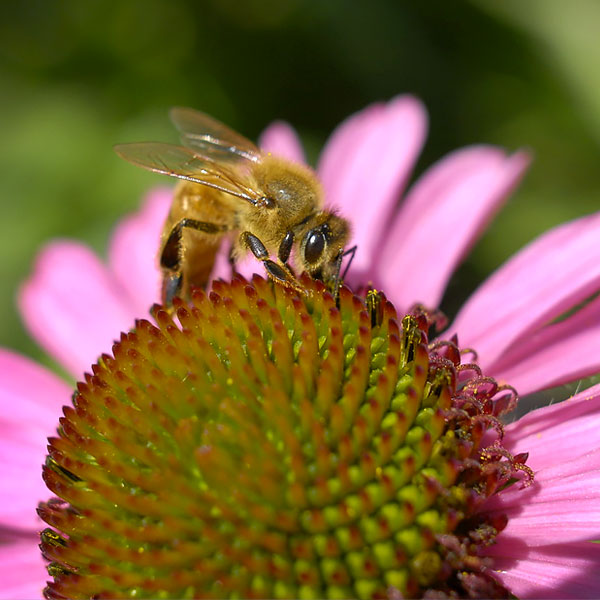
[74,305]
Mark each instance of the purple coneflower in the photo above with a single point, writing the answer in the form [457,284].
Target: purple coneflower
[262,445]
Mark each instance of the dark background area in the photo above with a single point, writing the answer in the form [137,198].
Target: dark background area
[77,77]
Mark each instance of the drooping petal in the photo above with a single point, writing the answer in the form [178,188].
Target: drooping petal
[554,273]
[365,166]
[281,139]
[441,218]
[557,354]
[30,396]
[22,568]
[73,306]
[559,432]
[561,505]
[555,572]
[133,251]
[30,404]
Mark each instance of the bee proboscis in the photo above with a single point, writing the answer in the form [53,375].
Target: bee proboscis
[267,205]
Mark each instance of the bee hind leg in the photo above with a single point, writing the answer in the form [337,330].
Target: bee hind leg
[277,272]
[171,255]
[171,287]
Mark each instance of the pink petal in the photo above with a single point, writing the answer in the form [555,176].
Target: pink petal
[133,251]
[557,571]
[22,568]
[281,139]
[550,276]
[73,306]
[246,267]
[561,506]
[442,216]
[559,432]
[557,354]
[365,166]
[31,396]
[30,406]
[222,268]
[342,143]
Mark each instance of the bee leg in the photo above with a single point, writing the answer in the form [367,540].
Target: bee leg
[335,288]
[284,251]
[171,287]
[231,260]
[285,248]
[339,277]
[351,252]
[277,272]
[171,255]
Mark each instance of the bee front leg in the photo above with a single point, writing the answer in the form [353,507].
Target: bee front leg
[284,251]
[171,256]
[277,272]
[231,260]
[285,248]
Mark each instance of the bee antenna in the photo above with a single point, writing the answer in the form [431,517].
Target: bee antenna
[351,252]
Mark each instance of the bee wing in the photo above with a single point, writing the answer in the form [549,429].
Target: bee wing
[213,139]
[184,163]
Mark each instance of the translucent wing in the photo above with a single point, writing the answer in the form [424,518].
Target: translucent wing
[210,137]
[184,163]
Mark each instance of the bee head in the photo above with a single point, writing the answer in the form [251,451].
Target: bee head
[322,246]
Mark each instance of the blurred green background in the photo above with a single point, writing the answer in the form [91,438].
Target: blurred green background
[77,77]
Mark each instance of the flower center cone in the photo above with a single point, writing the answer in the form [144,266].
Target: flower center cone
[262,444]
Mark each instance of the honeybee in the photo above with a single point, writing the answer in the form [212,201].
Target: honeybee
[267,205]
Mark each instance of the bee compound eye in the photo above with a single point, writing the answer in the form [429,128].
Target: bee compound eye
[315,244]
